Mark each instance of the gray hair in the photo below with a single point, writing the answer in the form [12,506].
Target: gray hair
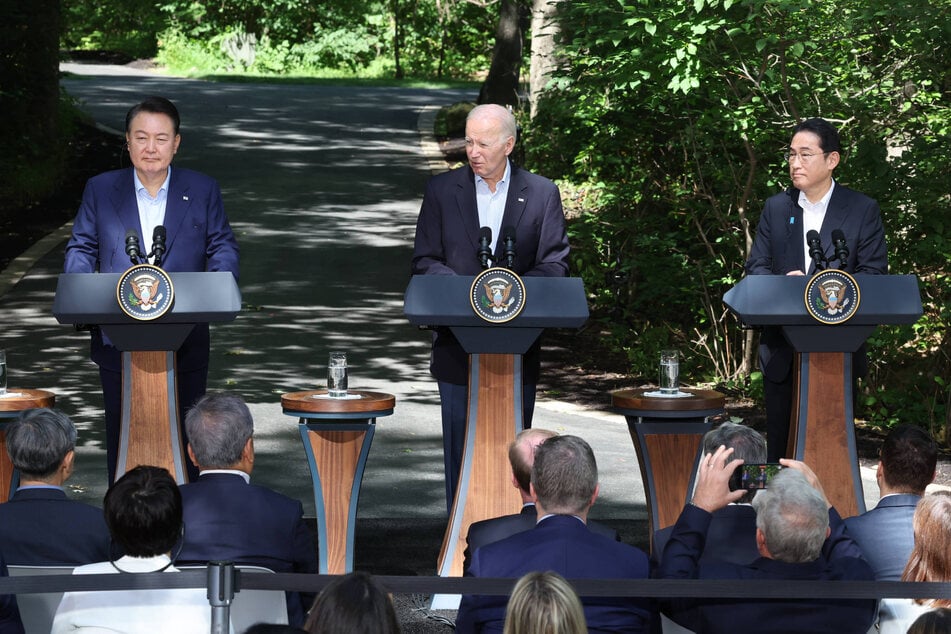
[565,475]
[747,444]
[506,120]
[39,441]
[793,516]
[218,426]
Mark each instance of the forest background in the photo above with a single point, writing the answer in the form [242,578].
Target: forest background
[664,123]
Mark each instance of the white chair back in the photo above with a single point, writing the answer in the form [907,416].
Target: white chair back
[37,610]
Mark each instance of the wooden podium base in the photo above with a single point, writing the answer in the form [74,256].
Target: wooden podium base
[150,432]
[494,418]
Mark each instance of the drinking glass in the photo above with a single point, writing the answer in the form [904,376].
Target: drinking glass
[669,372]
[337,375]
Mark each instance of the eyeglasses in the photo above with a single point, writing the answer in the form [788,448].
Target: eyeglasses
[804,157]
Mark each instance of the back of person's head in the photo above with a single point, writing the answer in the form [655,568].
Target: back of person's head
[937,621]
[909,457]
[355,603]
[930,558]
[828,135]
[522,453]
[508,127]
[793,517]
[544,603]
[154,105]
[218,427]
[565,475]
[39,441]
[747,444]
[143,511]
[273,628]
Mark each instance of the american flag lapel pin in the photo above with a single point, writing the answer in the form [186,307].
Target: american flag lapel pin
[184,197]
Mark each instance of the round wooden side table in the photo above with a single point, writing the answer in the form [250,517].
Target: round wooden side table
[15,401]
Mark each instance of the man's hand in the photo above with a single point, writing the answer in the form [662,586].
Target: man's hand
[712,491]
[811,477]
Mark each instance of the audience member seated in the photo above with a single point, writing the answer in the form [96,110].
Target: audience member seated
[793,521]
[732,532]
[355,603]
[564,484]
[937,621]
[906,466]
[40,526]
[144,514]
[521,457]
[227,517]
[930,560]
[544,603]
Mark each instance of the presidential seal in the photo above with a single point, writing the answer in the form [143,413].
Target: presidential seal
[832,296]
[145,292]
[497,295]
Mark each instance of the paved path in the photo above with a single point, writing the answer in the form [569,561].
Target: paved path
[322,185]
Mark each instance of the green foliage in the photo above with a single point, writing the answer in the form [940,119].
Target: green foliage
[676,115]
[114,25]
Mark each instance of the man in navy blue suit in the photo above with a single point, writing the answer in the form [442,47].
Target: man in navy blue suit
[565,485]
[198,238]
[814,202]
[794,522]
[488,192]
[521,458]
[906,467]
[40,526]
[229,519]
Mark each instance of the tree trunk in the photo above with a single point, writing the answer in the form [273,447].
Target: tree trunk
[501,85]
[544,31]
[396,39]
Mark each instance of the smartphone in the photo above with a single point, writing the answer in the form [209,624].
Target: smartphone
[753,476]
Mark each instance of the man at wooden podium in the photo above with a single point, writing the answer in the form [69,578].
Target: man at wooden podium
[815,202]
[490,192]
[142,199]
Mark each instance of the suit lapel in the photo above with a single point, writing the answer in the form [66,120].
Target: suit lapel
[125,205]
[466,205]
[837,212]
[794,239]
[514,204]
[176,208]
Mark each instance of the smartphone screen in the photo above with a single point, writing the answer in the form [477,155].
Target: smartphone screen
[751,477]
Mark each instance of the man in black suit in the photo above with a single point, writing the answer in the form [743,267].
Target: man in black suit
[40,526]
[521,457]
[488,192]
[227,517]
[814,202]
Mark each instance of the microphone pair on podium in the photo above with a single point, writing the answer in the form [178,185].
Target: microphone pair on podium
[158,246]
[816,251]
[508,247]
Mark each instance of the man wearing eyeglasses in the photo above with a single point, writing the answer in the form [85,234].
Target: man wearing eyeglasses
[814,202]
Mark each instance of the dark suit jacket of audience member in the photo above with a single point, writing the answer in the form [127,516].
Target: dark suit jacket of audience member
[731,537]
[229,519]
[10,622]
[42,527]
[841,561]
[885,535]
[497,528]
[565,545]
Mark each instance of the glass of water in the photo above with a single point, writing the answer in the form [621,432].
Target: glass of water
[3,372]
[337,375]
[669,372]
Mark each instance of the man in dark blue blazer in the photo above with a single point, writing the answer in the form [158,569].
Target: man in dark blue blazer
[815,202]
[565,485]
[489,192]
[39,525]
[794,498]
[198,238]
[906,466]
[521,458]
[229,519]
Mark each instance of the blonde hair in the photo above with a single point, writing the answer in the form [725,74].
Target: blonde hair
[544,603]
[930,558]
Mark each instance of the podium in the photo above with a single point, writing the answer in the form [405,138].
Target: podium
[495,386]
[822,430]
[149,431]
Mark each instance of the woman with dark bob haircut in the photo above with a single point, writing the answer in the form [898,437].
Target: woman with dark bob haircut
[143,511]
[355,603]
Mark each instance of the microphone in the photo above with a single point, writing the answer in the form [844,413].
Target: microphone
[485,246]
[508,246]
[815,249]
[132,246]
[158,244]
[841,247]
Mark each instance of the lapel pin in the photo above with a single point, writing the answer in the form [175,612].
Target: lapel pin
[184,197]
[521,200]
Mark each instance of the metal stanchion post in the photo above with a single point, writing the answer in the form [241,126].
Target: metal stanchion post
[220,594]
